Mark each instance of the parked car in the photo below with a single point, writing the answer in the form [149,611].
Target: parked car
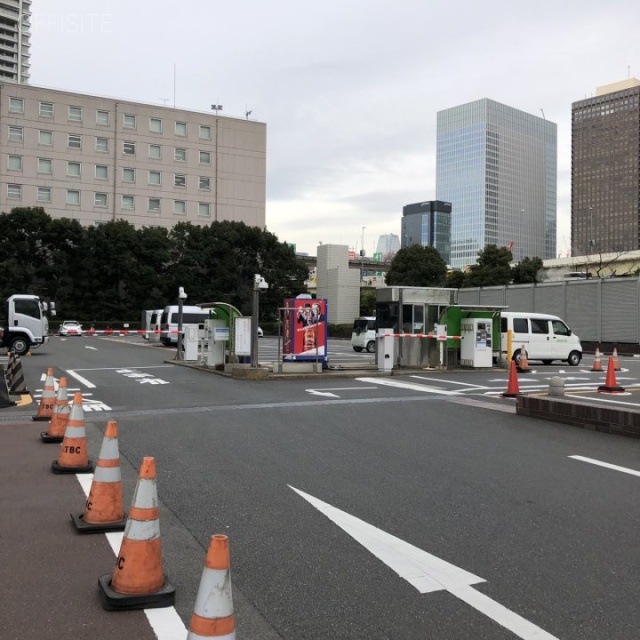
[70,328]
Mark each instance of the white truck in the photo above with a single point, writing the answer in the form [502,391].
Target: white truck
[25,325]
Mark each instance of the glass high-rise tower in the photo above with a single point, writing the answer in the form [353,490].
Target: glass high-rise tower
[497,166]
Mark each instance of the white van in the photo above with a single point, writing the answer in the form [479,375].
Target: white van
[363,334]
[154,331]
[543,336]
[191,314]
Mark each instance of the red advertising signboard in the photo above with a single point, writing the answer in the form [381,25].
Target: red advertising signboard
[305,329]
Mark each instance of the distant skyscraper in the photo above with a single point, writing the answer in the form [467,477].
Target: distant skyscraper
[388,243]
[605,170]
[429,225]
[14,40]
[497,166]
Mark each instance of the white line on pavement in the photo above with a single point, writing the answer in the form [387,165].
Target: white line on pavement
[599,463]
[81,380]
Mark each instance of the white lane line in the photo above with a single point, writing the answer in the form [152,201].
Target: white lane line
[425,571]
[154,366]
[81,380]
[165,622]
[615,467]
[407,385]
[464,384]
[91,348]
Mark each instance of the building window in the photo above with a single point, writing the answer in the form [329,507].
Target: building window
[180,155]
[14,191]
[155,177]
[155,125]
[73,169]
[204,183]
[16,105]
[102,144]
[73,196]
[44,165]
[44,194]
[45,138]
[205,132]
[75,114]
[74,141]
[205,157]
[102,172]
[180,180]
[155,151]
[154,204]
[128,175]
[14,163]
[128,121]
[179,207]
[181,128]
[129,148]
[128,202]
[100,199]
[16,134]
[204,209]
[46,109]
[102,117]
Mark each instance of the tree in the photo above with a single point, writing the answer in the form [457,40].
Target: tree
[417,266]
[493,267]
[367,301]
[526,271]
[455,279]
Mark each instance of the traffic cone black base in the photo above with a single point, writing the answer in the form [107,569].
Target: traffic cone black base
[59,469]
[87,527]
[113,601]
[45,437]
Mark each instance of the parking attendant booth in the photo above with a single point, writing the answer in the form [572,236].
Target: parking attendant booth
[412,313]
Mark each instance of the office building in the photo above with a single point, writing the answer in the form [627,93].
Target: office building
[338,283]
[497,166]
[605,165]
[389,243]
[98,159]
[429,225]
[14,40]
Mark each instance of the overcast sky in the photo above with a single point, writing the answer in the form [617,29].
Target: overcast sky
[349,89]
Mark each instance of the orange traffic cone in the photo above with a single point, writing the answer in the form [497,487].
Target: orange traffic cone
[47,401]
[610,385]
[60,416]
[73,456]
[616,361]
[138,581]
[104,510]
[513,389]
[213,612]
[523,364]
[597,364]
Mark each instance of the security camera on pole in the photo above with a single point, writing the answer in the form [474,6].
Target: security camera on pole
[182,296]
[259,284]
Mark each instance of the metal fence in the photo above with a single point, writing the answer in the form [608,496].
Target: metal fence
[598,310]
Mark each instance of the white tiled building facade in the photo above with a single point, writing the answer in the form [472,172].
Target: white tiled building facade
[98,159]
[14,40]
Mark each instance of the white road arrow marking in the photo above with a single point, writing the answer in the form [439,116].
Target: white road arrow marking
[315,392]
[426,572]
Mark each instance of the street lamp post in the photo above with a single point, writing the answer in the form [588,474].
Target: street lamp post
[590,243]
